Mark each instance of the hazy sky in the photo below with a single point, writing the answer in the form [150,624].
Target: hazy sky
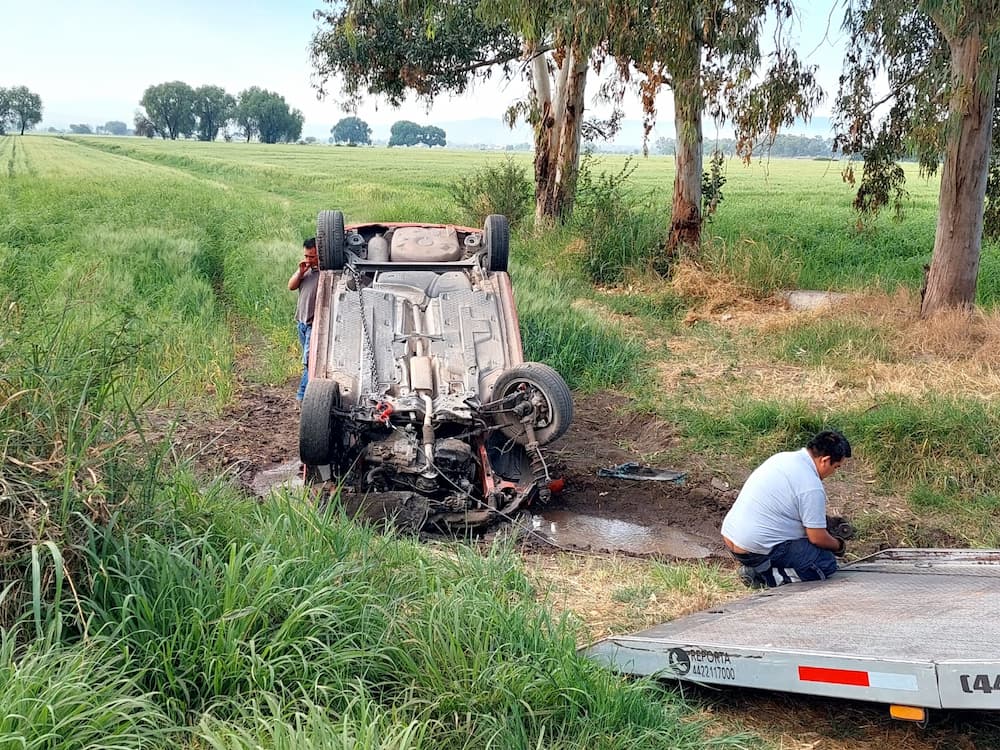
[91,61]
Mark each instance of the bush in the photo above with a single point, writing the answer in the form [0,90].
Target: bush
[621,230]
[502,188]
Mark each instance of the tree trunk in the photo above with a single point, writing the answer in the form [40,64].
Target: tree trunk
[557,134]
[567,161]
[685,214]
[545,132]
[951,282]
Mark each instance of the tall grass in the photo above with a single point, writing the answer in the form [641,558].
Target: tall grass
[244,637]
[55,698]
[72,448]
[935,445]
[365,724]
[573,339]
[755,267]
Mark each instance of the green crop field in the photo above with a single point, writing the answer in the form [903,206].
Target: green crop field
[156,610]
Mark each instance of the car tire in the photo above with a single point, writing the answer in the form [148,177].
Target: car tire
[317,423]
[556,414]
[330,240]
[496,237]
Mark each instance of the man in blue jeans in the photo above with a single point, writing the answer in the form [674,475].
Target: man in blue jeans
[777,526]
[306,281]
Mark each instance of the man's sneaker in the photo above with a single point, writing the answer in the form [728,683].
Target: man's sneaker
[751,578]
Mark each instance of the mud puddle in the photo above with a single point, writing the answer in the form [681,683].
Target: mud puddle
[572,530]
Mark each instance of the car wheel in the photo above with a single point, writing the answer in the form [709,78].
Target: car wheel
[545,389]
[330,240]
[318,426]
[496,237]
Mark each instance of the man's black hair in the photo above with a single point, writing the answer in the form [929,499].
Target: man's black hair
[310,244]
[830,443]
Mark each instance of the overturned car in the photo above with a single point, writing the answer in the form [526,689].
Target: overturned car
[419,398]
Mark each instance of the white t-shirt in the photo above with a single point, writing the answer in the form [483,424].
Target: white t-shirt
[781,499]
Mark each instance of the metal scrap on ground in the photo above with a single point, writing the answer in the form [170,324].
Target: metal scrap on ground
[633,470]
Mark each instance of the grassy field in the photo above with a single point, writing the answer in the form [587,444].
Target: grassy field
[138,273]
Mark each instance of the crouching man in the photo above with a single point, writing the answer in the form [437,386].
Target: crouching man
[777,528]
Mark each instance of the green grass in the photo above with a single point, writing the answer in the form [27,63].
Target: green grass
[245,630]
[74,698]
[139,273]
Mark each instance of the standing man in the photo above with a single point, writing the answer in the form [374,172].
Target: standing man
[306,281]
[777,526]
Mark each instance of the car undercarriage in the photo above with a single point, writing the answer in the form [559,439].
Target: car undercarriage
[418,392]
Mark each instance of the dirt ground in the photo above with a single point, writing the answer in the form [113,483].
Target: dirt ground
[258,434]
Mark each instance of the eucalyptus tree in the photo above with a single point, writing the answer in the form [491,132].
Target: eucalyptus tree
[392,47]
[212,108]
[940,60]
[170,107]
[708,54]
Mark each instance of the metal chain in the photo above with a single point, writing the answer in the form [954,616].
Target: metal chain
[368,343]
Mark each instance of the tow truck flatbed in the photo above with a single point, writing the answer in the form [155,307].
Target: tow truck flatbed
[908,627]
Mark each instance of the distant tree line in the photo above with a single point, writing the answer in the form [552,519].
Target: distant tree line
[355,132]
[175,109]
[20,109]
[111,127]
[407,133]
[783,146]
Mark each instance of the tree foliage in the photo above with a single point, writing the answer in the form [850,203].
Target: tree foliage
[408,133]
[266,115]
[708,53]
[352,131]
[428,47]
[783,146]
[940,61]
[20,108]
[80,128]
[212,108]
[115,127]
[5,111]
[389,47]
[170,107]
[143,125]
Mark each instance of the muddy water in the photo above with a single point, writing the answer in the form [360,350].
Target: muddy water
[578,531]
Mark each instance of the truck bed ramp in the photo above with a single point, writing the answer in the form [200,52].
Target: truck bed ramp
[912,627]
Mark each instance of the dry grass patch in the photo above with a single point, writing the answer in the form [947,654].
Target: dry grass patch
[614,595]
[713,292]
[954,353]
